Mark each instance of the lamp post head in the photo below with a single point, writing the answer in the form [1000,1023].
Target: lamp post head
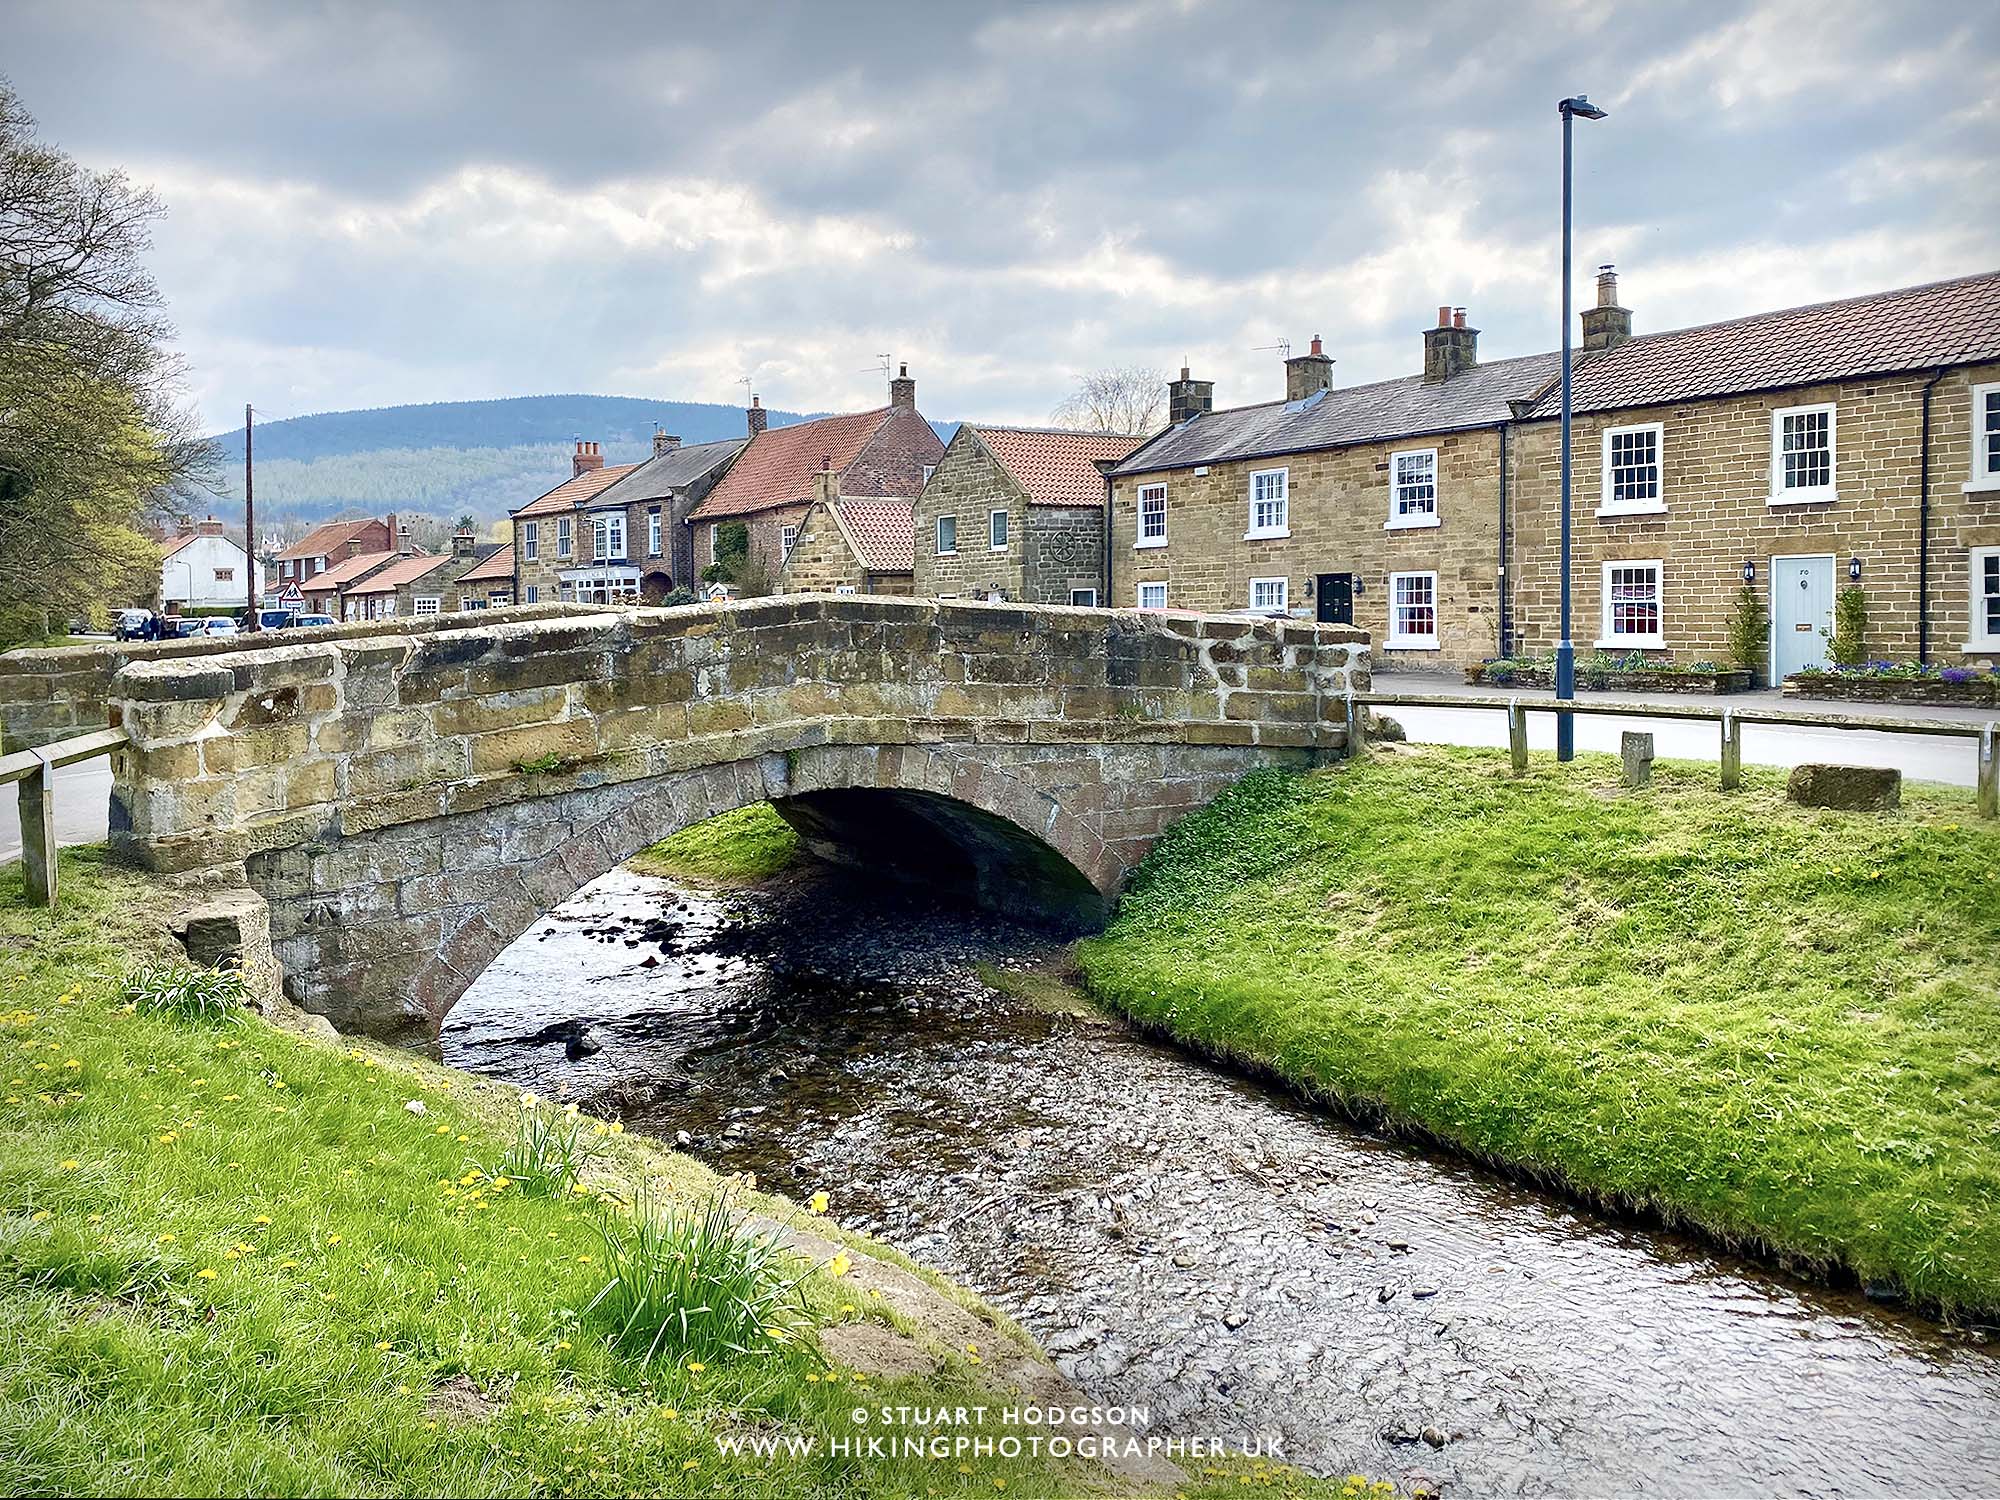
[1581,106]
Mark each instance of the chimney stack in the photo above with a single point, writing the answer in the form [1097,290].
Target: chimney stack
[585,459]
[756,415]
[903,390]
[664,441]
[1188,398]
[463,541]
[1307,374]
[404,544]
[825,481]
[210,527]
[1607,324]
[1451,348]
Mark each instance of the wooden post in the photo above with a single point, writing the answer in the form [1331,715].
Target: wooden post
[1989,772]
[1732,751]
[1357,742]
[38,832]
[1517,736]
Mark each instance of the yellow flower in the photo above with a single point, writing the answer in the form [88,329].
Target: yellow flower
[690,1464]
[617,1127]
[695,1367]
[381,1344]
[39,1215]
[165,1239]
[671,1415]
[840,1265]
[206,1273]
[261,1219]
[333,1239]
[70,1164]
[562,1346]
[819,1202]
[528,1101]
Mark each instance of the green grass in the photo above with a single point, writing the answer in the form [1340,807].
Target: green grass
[234,1260]
[736,848]
[1779,1025]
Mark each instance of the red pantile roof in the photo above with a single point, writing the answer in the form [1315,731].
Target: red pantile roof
[1055,467]
[1911,328]
[883,531]
[326,539]
[174,544]
[572,492]
[347,571]
[495,566]
[777,467]
[393,577]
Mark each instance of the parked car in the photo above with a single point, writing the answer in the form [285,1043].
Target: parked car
[177,626]
[301,622]
[274,619]
[130,624]
[217,625]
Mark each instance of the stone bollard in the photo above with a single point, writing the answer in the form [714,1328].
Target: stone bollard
[1851,788]
[1635,750]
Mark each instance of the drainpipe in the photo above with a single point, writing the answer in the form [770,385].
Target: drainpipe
[1504,580]
[1105,602]
[1924,523]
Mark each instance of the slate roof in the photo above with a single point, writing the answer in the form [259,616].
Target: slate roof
[347,570]
[1052,466]
[325,539]
[573,491]
[778,465]
[883,531]
[1911,328]
[660,475]
[393,577]
[1403,407]
[496,565]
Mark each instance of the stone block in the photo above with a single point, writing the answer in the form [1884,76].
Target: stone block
[1635,757]
[566,740]
[1849,788]
[482,715]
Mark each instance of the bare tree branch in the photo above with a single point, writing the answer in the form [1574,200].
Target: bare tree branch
[1131,400]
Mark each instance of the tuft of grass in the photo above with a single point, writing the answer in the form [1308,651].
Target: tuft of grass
[691,1280]
[738,848]
[179,989]
[552,1149]
[1771,1023]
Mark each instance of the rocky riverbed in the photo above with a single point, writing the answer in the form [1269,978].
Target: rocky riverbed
[1185,1240]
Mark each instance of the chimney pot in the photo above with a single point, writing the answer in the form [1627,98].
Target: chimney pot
[1451,348]
[1307,374]
[1444,317]
[585,459]
[756,415]
[903,390]
[1607,324]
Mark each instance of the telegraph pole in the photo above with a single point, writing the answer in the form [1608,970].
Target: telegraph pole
[253,617]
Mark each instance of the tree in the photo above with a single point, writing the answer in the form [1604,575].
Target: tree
[95,441]
[1131,400]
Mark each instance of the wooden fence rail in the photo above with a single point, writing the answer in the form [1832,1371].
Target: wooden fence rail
[1986,736]
[35,770]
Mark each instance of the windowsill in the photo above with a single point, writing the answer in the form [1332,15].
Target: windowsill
[1781,498]
[1269,534]
[1144,543]
[1987,647]
[1001,548]
[1632,643]
[1411,523]
[1411,643]
[1609,512]
[1988,486]
[952,553]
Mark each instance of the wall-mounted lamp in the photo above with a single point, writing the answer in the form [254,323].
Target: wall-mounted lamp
[1360,587]
[1854,570]
[1749,572]
[1309,585]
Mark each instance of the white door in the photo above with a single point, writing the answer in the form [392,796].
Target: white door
[1801,613]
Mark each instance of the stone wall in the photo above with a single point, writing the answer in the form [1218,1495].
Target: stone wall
[970,485]
[49,695]
[821,561]
[409,803]
[1063,550]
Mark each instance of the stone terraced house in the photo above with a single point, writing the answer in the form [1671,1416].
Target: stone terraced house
[884,454]
[1800,450]
[332,543]
[549,531]
[1017,513]
[850,544]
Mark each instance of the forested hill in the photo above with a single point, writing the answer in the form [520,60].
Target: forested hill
[445,458]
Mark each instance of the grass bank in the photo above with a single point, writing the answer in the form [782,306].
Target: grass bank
[733,849]
[235,1260]
[1774,1024]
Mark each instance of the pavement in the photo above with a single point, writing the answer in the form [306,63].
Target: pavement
[83,791]
[1921,757]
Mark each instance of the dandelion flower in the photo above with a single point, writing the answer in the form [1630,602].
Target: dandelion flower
[840,1265]
[695,1367]
[206,1273]
[71,1164]
[819,1202]
[381,1344]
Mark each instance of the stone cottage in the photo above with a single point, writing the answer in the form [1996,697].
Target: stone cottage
[849,544]
[549,536]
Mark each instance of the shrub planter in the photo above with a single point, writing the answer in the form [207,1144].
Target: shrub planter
[1981,691]
[1600,679]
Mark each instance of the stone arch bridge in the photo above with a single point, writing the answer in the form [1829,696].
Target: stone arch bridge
[407,804]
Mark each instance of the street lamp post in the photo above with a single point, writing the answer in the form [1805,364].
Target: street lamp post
[1565,648]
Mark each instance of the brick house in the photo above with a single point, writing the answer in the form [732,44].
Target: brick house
[880,454]
[635,542]
[420,584]
[549,531]
[1017,513]
[1791,448]
[324,591]
[850,544]
[334,542]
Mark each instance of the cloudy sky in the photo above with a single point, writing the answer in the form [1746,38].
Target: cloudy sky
[375,203]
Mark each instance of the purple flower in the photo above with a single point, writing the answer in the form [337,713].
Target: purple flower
[1955,674]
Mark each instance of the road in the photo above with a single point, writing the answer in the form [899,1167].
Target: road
[83,791]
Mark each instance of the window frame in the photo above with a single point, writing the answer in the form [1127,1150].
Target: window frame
[1414,520]
[1985,474]
[1609,640]
[1284,604]
[1402,640]
[788,539]
[1000,514]
[937,531]
[1977,638]
[1283,526]
[1140,539]
[845,588]
[1076,603]
[418,601]
[1818,494]
[531,593]
[224,575]
[601,527]
[1657,506]
[531,541]
[1140,595]
[565,537]
[654,535]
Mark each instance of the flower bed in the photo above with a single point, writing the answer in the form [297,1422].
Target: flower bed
[1899,682]
[1632,674]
